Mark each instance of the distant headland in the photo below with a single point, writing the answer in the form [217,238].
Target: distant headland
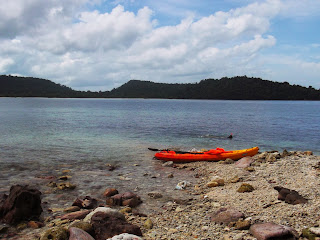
[235,88]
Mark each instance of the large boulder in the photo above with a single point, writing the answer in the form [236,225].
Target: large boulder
[108,225]
[23,203]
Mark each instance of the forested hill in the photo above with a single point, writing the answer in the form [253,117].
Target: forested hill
[13,86]
[236,88]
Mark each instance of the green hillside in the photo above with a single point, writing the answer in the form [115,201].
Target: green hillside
[235,88]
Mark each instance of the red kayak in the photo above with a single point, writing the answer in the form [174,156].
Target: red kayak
[211,155]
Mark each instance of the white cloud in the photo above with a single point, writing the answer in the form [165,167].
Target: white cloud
[64,42]
[4,63]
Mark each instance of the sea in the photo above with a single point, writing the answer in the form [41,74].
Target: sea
[41,137]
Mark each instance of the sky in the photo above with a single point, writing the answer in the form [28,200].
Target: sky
[99,45]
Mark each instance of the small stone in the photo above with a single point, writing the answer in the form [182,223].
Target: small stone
[57,233]
[212,184]
[71,209]
[170,175]
[244,162]
[243,224]
[35,224]
[155,195]
[235,179]
[205,228]
[226,215]
[308,153]
[64,178]
[76,215]
[110,192]
[82,225]
[228,161]
[315,230]
[126,210]
[245,187]
[148,224]
[66,186]
[266,231]
[306,233]
[125,236]
[79,234]
[168,164]
[250,169]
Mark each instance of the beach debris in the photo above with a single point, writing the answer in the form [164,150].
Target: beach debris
[289,196]
[23,203]
[125,236]
[182,185]
[245,187]
[79,234]
[265,231]
[109,224]
[226,215]
[87,202]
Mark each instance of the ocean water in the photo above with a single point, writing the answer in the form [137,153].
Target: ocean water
[41,136]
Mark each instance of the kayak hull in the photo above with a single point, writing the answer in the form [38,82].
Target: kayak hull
[205,156]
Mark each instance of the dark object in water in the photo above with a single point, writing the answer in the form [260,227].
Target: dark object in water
[230,136]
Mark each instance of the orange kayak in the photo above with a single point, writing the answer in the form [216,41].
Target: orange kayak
[211,155]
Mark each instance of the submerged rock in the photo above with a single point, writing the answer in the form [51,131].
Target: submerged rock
[23,203]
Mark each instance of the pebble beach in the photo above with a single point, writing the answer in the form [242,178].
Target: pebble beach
[191,210]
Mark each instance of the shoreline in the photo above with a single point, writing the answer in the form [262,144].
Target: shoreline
[189,214]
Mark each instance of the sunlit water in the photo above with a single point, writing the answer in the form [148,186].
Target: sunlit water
[41,137]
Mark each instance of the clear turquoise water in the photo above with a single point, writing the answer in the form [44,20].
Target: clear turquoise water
[113,129]
[40,136]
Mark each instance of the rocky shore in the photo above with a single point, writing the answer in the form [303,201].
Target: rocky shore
[269,196]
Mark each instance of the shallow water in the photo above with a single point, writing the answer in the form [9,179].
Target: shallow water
[42,137]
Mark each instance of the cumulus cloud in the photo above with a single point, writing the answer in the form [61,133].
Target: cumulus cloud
[98,50]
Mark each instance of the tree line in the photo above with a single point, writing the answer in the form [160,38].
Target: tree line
[235,88]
